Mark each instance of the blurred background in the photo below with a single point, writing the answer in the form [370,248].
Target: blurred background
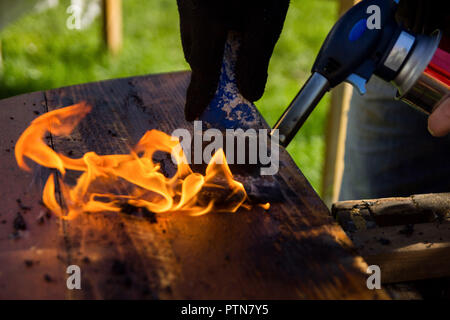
[41,49]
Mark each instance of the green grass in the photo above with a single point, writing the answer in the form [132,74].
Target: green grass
[39,53]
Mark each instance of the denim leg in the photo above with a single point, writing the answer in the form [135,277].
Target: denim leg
[388,149]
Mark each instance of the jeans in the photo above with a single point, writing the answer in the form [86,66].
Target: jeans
[389,151]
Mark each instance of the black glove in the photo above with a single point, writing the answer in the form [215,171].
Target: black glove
[204,27]
[424,16]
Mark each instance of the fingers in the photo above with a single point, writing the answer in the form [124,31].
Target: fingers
[204,27]
[205,59]
[439,120]
[261,32]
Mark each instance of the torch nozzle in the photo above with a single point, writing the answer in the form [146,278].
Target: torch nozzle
[301,107]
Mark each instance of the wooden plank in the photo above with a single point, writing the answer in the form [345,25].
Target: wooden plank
[31,250]
[408,237]
[112,24]
[406,253]
[295,250]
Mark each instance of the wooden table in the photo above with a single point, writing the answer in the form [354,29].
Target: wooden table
[295,250]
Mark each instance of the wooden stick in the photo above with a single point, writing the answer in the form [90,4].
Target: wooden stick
[112,24]
[367,214]
[1,57]
[335,132]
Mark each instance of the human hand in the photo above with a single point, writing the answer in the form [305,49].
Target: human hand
[204,26]
[439,120]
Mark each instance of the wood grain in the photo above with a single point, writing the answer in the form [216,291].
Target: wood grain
[408,237]
[356,215]
[295,250]
[35,252]
[407,253]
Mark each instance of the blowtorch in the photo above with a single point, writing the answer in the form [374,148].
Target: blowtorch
[368,41]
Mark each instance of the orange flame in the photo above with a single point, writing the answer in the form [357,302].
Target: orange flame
[185,192]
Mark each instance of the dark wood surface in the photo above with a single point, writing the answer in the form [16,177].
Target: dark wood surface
[408,237]
[294,250]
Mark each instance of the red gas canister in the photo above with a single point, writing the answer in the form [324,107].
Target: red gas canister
[424,80]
